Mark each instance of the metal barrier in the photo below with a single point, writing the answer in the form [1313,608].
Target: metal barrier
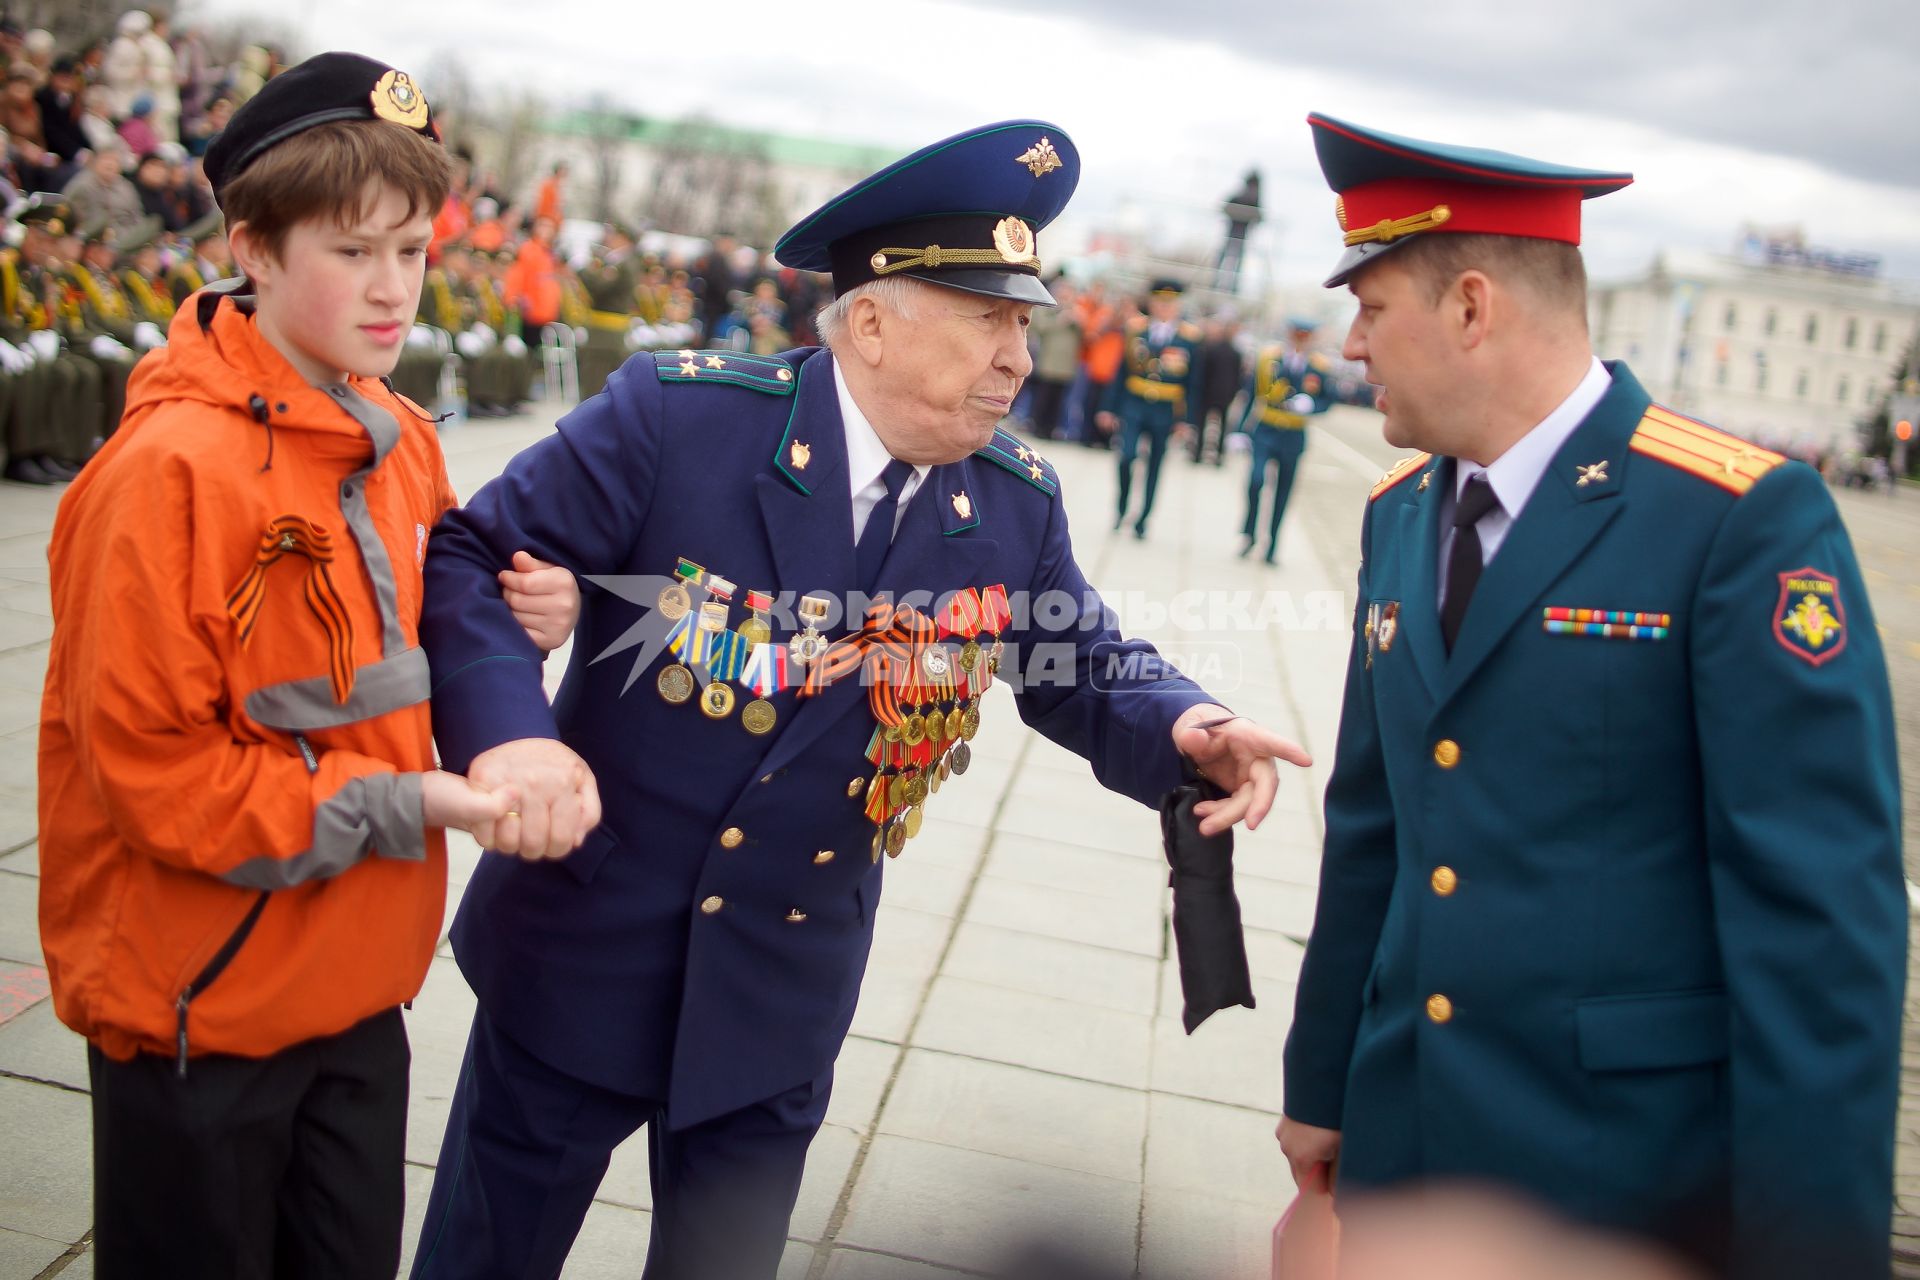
[560,362]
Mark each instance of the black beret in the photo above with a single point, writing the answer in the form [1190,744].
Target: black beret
[324,89]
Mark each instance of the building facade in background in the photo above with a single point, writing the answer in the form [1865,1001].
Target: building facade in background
[1786,344]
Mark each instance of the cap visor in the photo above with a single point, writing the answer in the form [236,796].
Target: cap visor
[1359,256]
[1014,286]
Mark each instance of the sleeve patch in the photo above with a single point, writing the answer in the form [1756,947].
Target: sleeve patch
[1808,619]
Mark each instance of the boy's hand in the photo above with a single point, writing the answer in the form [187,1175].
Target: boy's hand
[545,600]
[449,800]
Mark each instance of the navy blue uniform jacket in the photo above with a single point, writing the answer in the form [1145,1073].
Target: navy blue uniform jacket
[602,963]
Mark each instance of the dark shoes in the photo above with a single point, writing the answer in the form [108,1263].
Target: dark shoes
[40,471]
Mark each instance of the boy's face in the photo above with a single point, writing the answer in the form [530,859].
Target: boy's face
[340,301]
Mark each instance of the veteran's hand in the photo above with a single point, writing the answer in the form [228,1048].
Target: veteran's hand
[1310,1152]
[1237,757]
[559,800]
[545,600]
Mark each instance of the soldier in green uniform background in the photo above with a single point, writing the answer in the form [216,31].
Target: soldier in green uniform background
[209,262]
[612,284]
[53,400]
[99,320]
[142,278]
[1156,385]
[1286,387]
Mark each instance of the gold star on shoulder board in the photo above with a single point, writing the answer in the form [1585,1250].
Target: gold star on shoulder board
[1023,453]
[715,362]
[1592,473]
[686,353]
[1034,470]
[689,368]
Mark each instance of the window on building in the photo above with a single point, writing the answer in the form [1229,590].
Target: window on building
[1840,390]
[1732,318]
[1813,328]
[1880,336]
[1800,385]
[1853,332]
[1772,322]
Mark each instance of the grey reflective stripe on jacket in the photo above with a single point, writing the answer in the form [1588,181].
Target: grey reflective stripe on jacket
[379,811]
[302,705]
[384,430]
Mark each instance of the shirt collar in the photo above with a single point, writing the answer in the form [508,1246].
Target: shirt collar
[1516,473]
[867,455]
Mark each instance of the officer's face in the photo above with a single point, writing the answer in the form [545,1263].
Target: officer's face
[341,299]
[1398,333]
[950,371]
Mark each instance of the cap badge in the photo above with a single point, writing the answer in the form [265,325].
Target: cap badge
[1040,158]
[1013,239]
[396,99]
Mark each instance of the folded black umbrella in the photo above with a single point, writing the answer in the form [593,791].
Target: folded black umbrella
[1206,914]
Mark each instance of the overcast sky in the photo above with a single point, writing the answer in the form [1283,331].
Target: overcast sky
[1726,112]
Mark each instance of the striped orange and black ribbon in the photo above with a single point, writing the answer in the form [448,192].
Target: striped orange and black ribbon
[291,535]
[889,636]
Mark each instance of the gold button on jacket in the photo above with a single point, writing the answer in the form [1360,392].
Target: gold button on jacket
[1445,881]
[1446,753]
[823,857]
[731,838]
[796,916]
[855,787]
[1439,1008]
[713,904]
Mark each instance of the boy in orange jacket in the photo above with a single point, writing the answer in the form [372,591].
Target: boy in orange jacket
[243,861]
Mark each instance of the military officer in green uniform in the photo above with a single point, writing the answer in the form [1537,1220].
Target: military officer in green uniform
[1287,386]
[143,280]
[513,383]
[208,262]
[612,284]
[1157,383]
[1611,911]
[53,409]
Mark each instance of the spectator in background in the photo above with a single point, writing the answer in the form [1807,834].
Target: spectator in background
[150,180]
[533,282]
[59,104]
[201,133]
[717,284]
[1054,334]
[124,70]
[550,204]
[255,69]
[1221,371]
[197,75]
[96,118]
[37,49]
[162,79]
[101,192]
[137,129]
[38,168]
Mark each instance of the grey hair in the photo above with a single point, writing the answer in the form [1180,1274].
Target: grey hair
[897,294]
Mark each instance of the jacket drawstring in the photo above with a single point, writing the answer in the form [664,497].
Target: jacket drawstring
[264,416]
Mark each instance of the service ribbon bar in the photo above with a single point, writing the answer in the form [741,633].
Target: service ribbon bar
[1611,624]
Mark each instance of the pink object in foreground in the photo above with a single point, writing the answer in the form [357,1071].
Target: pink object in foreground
[21,987]
[1306,1240]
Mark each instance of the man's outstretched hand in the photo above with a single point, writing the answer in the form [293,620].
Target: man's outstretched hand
[1238,757]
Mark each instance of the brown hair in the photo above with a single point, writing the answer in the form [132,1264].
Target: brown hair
[334,171]
[1551,270]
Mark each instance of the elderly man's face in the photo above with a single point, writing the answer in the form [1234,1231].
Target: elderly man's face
[951,370]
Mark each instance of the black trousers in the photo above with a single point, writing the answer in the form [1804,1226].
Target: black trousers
[280,1167]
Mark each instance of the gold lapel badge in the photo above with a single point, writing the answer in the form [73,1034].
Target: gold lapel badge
[962,507]
[1592,473]
[1013,239]
[395,99]
[1389,625]
[801,455]
[1426,478]
[1040,158]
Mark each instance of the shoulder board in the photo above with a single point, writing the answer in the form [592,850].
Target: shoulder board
[1009,451]
[767,374]
[1402,469]
[1701,450]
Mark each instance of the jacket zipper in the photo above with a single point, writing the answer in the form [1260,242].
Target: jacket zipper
[204,979]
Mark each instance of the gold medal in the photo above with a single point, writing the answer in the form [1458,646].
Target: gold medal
[953,723]
[915,816]
[917,791]
[970,723]
[674,602]
[755,630]
[717,701]
[936,728]
[970,655]
[758,716]
[892,732]
[913,731]
[879,842]
[896,790]
[896,840]
[962,756]
[877,787]
[939,775]
[946,766]
[675,683]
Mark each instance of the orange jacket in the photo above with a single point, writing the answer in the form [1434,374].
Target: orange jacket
[533,285]
[235,714]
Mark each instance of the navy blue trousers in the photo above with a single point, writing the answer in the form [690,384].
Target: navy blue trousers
[1155,423]
[1281,446]
[526,1148]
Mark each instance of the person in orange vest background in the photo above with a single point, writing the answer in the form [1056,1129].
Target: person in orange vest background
[548,205]
[533,282]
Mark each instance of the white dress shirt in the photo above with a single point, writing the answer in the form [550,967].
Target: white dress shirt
[867,458]
[1516,473]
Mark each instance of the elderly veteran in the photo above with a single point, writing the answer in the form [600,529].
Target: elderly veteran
[1610,907]
[693,965]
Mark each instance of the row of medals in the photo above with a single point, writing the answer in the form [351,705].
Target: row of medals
[950,728]
[676,681]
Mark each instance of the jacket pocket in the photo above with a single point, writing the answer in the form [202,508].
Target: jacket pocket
[1650,1032]
[584,863]
[209,973]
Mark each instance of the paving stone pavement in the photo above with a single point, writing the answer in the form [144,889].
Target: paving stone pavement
[1016,1058]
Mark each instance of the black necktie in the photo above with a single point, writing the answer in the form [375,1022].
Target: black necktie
[1463,561]
[871,550]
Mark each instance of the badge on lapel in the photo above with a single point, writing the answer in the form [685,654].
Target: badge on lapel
[1382,626]
[1808,620]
